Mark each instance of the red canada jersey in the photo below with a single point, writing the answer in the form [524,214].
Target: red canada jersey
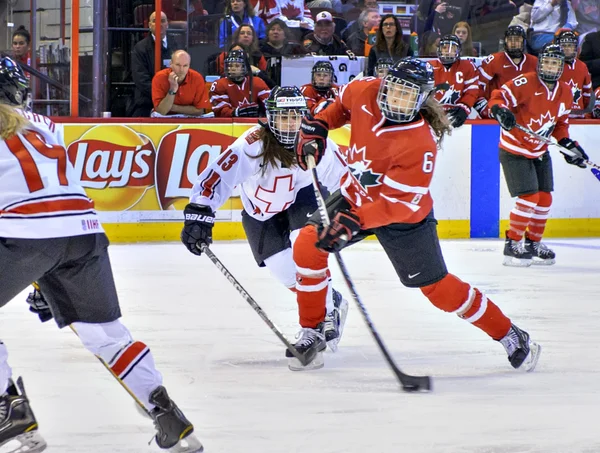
[535,106]
[463,80]
[314,97]
[226,96]
[391,163]
[499,68]
[577,76]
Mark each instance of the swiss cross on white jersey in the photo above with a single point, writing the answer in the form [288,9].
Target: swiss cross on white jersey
[276,198]
[360,167]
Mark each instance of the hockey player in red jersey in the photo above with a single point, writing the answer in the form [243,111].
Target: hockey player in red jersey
[239,93]
[277,195]
[321,91]
[575,73]
[382,67]
[50,233]
[537,101]
[462,77]
[396,127]
[499,68]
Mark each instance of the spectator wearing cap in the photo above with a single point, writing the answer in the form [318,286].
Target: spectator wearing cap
[368,19]
[179,89]
[547,16]
[323,40]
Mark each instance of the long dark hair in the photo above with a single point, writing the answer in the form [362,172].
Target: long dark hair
[434,114]
[273,152]
[399,46]
[21,31]
[248,9]
[253,48]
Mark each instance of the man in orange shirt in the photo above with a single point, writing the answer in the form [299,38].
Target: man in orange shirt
[179,89]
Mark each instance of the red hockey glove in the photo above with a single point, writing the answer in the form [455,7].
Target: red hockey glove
[311,141]
[343,227]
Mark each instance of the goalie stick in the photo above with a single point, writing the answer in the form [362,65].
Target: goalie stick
[304,359]
[409,383]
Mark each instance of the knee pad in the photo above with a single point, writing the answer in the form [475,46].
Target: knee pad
[309,260]
[545,199]
[450,294]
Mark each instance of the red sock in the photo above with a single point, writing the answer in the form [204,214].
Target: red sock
[536,227]
[521,214]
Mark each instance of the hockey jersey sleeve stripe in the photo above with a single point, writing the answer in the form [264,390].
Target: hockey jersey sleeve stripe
[209,184]
[471,81]
[484,74]
[411,206]
[51,206]
[404,187]
[506,90]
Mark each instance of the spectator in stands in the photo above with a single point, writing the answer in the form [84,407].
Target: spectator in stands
[547,16]
[238,12]
[256,71]
[388,43]
[441,15]
[179,90]
[142,65]
[295,13]
[278,43]
[352,16]
[462,31]
[367,20]
[590,55]
[321,91]
[587,13]
[324,41]
[21,46]
[245,37]
[239,94]
[523,19]
[382,67]
[429,43]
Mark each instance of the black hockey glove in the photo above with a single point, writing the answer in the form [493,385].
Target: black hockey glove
[481,106]
[311,140]
[38,305]
[344,225]
[580,155]
[458,116]
[197,227]
[505,117]
[250,111]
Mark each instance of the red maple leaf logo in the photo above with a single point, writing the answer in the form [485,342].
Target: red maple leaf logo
[544,126]
[290,11]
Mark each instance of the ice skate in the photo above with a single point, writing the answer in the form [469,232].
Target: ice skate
[522,353]
[541,254]
[515,254]
[335,320]
[18,427]
[174,431]
[310,343]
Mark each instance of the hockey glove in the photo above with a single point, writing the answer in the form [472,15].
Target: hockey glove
[311,140]
[38,305]
[580,155]
[250,111]
[505,117]
[481,106]
[197,227]
[344,225]
[458,115]
[596,112]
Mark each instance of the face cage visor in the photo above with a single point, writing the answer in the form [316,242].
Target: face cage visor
[399,99]
[235,69]
[550,68]
[514,45]
[322,84]
[448,52]
[284,123]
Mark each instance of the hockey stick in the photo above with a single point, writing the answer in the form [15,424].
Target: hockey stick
[304,359]
[595,168]
[409,383]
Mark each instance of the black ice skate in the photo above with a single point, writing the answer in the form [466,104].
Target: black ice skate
[515,254]
[174,431]
[310,343]
[522,352]
[18,427]
[541,254]
[333,326]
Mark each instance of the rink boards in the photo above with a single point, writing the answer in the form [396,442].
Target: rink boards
[139,175]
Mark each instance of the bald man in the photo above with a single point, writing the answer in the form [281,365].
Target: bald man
[179,90]
[142,64]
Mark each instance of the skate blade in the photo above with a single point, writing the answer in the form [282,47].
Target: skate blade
[318,362]
[189,444]
[541,262]
[343,308]
[31,442]
[516,262]
[531,361]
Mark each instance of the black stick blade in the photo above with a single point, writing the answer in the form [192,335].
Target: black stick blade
[416,383]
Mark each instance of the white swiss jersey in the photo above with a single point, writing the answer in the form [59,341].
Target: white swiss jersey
[40,197]
[267,193]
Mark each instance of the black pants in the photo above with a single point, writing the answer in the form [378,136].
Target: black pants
[526,176]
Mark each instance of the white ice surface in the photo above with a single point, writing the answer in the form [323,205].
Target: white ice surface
[228,373]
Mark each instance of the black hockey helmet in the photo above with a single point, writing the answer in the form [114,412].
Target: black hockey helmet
[236,65]
[286,106]
[404,89]
[568,40]
[515,48]
[14,86]
[551,63]
[382,67]
[322,67]
[448,50]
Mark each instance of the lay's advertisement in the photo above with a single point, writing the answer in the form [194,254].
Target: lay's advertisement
[140,175]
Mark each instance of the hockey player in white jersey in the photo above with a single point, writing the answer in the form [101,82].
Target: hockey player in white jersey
[50,233]
[276,194]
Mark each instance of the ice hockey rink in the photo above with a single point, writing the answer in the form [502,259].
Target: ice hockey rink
[227,370]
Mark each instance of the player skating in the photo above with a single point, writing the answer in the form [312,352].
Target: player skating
[396,127]
[277,196]
[540,103]
[50,233]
